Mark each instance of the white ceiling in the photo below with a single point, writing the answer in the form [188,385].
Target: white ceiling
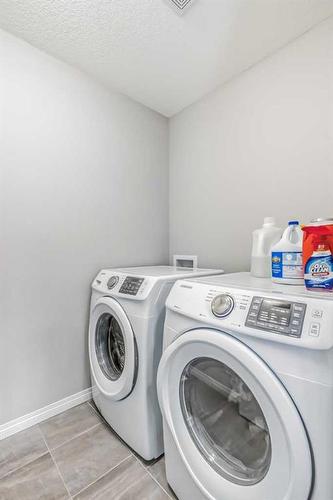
[147,51]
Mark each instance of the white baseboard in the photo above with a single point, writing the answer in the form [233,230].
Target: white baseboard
[21,423]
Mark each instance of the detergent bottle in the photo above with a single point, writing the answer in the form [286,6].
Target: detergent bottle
[287,262]
[262,241]
[317,255]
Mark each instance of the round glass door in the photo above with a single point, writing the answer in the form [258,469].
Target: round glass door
[225,421]
[110,346]
[112,349]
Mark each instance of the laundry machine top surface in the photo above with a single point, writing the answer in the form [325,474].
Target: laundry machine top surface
[136,283]
[246,281]
[167,272]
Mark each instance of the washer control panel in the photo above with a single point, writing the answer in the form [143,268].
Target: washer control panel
[277,316]
[131,285]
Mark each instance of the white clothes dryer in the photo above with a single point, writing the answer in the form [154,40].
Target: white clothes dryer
[245,386]
[125,345]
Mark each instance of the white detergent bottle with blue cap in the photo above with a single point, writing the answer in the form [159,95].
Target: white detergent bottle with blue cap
[262,241]
[287,262]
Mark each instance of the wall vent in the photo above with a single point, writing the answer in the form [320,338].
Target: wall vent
[181,5]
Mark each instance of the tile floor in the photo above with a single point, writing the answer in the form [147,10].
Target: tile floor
[74,455]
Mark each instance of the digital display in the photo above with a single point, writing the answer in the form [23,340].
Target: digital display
[132,281]
[276,303]
[275,311]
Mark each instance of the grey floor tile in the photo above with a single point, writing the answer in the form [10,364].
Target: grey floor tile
[20,449]
[157,470]
[35,481]
[128,481]
[59,429]
[86,458]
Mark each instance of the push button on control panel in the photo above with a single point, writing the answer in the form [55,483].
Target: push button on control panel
[314,329]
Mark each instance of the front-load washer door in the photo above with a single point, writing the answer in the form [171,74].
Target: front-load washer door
[112,349]
[236,427]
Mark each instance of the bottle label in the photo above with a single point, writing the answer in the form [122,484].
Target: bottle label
[287,265]
[319,272]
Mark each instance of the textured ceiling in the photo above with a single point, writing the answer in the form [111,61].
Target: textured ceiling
[147,51]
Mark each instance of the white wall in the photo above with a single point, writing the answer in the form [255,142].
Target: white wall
[84,185]
[260,145]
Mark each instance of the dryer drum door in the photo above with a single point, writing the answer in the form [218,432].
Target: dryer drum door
[234,424]
[112,349]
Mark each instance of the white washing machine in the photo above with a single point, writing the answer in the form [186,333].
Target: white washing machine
[125,345]
[245,385]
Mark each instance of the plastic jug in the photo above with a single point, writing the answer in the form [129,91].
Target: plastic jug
[262,241]
[287,263]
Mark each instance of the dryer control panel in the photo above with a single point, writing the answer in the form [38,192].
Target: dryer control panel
[116,284]
[131,285]
[275,315]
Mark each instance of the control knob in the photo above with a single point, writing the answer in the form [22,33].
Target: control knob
[112,282]
[222,305]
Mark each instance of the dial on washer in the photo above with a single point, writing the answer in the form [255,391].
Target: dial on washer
[222,305]
[112,282]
